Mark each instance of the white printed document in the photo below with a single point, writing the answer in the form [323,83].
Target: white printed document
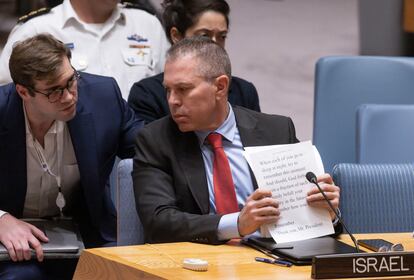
[282,169]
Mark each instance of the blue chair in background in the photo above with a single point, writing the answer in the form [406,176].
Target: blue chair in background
[376,197]
[344,83]
[385,134]
[129,226]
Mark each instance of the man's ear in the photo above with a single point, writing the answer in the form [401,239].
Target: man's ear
[175,35]
[222,83]
[23,92]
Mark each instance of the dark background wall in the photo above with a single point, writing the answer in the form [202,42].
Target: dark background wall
[381,28]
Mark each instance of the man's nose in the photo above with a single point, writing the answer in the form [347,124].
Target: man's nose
[66,96]
[173,99]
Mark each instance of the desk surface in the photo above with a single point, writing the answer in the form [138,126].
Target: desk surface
[229,261]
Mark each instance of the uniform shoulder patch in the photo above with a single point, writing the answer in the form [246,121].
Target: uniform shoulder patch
[33,14]
[141,5]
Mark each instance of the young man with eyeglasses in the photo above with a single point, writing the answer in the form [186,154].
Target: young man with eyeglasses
[60,131]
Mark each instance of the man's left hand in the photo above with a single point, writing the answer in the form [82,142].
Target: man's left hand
[315,198]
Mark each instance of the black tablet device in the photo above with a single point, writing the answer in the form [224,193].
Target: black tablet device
[302,252]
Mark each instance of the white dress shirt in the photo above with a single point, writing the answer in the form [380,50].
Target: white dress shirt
[42,188]
[233,147]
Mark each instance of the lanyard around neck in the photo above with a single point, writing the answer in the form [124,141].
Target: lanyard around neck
[60,199]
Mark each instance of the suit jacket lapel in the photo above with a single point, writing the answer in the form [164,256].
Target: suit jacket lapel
[247,124]
[82,133]
[13,158]
[191,161]
[250,134]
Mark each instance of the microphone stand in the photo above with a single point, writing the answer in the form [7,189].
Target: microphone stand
[311,177]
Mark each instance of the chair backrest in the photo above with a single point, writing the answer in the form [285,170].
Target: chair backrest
[376,197]
[129,226]
[341,85]
[385,133]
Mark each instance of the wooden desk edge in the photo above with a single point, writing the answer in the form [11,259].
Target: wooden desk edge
[100,264]
[94,264]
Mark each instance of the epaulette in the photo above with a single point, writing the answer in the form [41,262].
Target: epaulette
[141,6]
[33,14]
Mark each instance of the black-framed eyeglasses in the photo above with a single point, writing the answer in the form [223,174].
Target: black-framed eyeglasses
[55,95]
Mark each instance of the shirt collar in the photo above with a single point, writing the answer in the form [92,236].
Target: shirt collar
[68,13]
[227,129]
[52,130]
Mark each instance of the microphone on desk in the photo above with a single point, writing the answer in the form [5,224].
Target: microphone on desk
[311,177]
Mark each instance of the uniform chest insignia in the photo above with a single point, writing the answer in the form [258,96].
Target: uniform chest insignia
[137,38]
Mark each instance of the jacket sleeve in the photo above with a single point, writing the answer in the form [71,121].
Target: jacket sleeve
[148,99]
[253,98]
[164,202]
[130,125]
[244,93]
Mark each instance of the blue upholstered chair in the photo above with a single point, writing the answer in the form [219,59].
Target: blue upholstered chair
[385,133]
[344,83]
[376,197]
[129,227]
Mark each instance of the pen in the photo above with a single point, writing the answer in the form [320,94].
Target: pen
[267,253]
[276,262]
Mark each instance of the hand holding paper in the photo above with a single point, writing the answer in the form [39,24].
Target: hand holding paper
[315,198]
[281,169]
[260,209]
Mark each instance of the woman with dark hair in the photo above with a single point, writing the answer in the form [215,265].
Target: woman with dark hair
[186,18]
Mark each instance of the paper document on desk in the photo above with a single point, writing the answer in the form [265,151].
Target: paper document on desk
[282,169]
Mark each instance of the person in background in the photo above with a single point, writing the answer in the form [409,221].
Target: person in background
[141,4]
[105,37]
[60,131]
[191,180]
[186,18]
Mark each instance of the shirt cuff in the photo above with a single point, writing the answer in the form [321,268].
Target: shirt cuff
[227,227]
[336,221]
[2,213]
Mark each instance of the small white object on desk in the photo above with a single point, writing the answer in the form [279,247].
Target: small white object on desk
[195,264]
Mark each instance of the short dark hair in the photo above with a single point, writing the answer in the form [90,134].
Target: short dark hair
[182,14]
[213,59]
[38,57]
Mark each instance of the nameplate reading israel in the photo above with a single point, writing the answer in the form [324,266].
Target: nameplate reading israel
[359,265]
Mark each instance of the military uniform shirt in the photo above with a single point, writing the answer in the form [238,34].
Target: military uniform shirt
[129,46]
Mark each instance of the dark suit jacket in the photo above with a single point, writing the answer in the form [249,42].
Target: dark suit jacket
[148,97]
[170,183]
[104,126]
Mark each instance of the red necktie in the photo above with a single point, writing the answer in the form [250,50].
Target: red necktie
[224,192]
